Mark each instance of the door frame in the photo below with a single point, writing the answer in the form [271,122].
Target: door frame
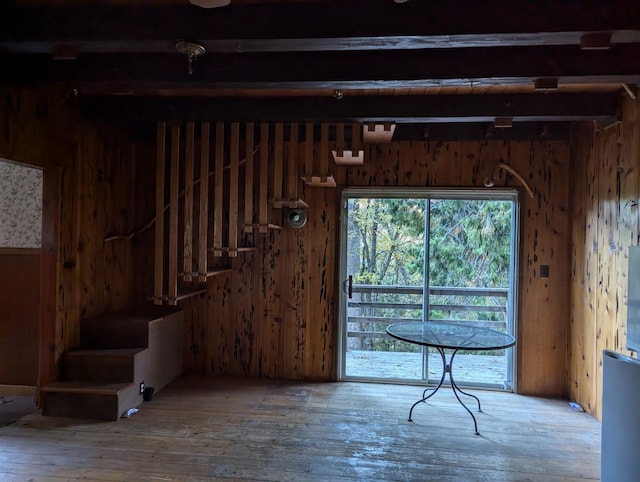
[505,194]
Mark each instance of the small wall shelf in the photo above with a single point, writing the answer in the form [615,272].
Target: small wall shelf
[320,181]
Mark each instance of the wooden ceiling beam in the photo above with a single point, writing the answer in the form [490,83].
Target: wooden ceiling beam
[556,107]
[357,24]
[334,70]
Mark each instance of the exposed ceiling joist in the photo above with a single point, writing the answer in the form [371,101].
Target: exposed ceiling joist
[395,109]
[357,69]
[356,24]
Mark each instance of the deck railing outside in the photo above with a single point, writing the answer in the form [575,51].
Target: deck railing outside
[374,307]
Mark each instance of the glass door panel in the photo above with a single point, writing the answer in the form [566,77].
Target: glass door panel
[470,253]
[385,275]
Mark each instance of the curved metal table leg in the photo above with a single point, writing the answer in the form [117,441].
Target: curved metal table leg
[455,386]
[432,390]
[455,389]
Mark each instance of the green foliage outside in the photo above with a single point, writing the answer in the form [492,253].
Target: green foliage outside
[469,247]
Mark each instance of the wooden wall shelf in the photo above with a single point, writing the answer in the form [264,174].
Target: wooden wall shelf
[208,274]
[290,203]
[226,249]
[264,228]
[320,181]
[348,158]
[180,296]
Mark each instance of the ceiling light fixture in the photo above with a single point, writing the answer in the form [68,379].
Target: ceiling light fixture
[192,50]
[210,3]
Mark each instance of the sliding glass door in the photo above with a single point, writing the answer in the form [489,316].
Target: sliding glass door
[422,256]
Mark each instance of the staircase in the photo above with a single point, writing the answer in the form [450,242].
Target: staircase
[119,355]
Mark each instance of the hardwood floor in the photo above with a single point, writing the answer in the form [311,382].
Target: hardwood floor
[228,429]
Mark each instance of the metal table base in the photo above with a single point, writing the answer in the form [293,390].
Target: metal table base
[448,368]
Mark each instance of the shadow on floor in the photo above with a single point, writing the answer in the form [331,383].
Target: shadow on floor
[14,407]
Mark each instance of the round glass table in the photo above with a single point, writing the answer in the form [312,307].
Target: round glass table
[450,336]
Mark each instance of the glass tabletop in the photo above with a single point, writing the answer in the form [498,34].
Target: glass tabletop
[451,335]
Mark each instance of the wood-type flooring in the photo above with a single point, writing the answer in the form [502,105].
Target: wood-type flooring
[246,429]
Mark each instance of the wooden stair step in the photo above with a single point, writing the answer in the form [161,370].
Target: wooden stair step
[89,400]
[101,365]
[120,329]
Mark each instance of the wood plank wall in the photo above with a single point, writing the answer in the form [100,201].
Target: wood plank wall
[275,314]
[19,315]
[88,174]
[605,190]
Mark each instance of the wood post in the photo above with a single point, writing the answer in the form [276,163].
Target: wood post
[356,130]
[278,169]
[218,194]
[203,225]
[158,281]
[264,175]
[339,140]
[308,151]
[173,216]
[324,152]
[233,189]
[248,179]
[292,166]
[188,202]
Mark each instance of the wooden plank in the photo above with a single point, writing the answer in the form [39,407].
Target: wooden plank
[320,307]
[220,341]
[233,189]
[356,137]
[218,190]
[249,195]
[263,195]
[588,368]
[172,275]
[324,152]
[188,200]
[379,29]
[579,296]
[158,277]
[308,151]
[296,302]
[203,225]
[292,166]
[49,288]
[278,167]
[339,139]
[557,107]
[607,239]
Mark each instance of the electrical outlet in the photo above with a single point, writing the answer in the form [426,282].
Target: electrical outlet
[141,388]
[544,271]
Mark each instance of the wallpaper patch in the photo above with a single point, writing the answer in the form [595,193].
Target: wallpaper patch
[20,206]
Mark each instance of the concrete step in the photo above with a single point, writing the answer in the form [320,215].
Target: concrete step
[101,365]
[89,400]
